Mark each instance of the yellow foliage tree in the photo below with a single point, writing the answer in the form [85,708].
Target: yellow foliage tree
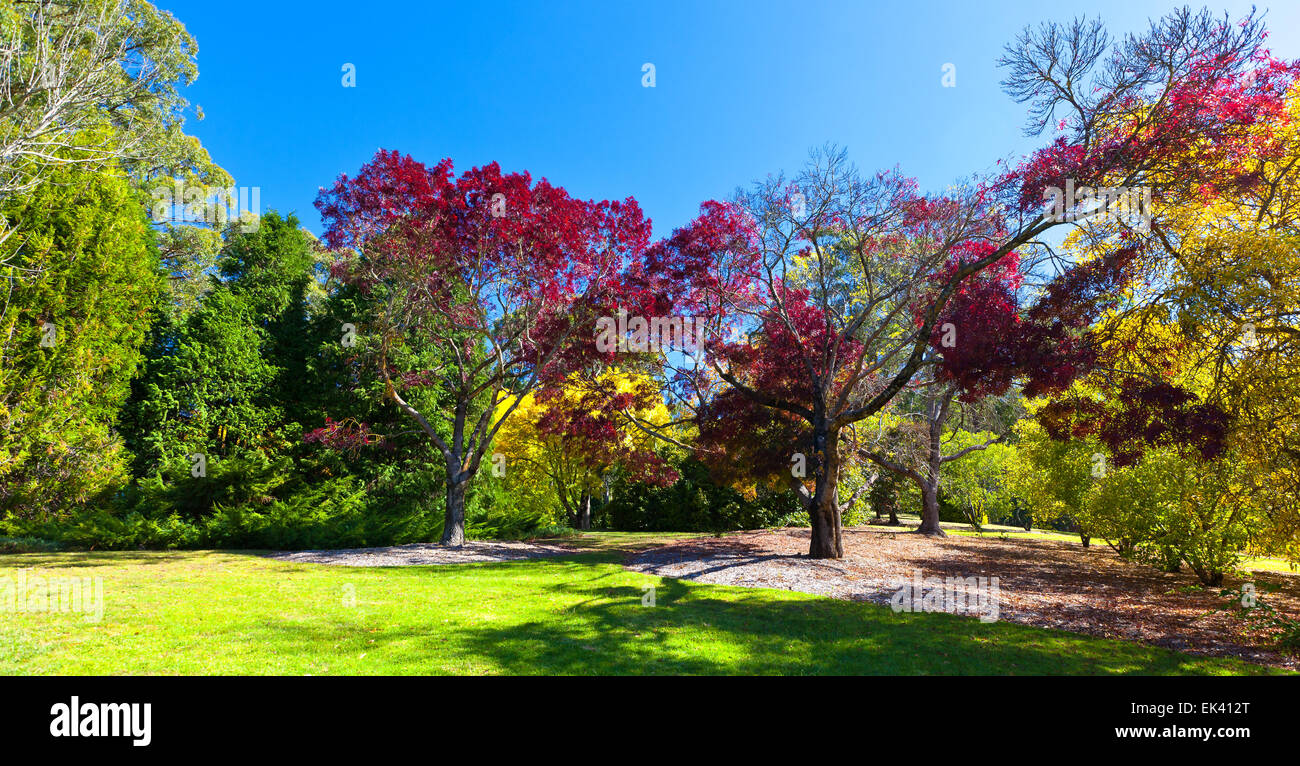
[1218,314]
[558,449]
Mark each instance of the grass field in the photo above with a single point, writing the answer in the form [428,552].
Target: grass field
[234,613]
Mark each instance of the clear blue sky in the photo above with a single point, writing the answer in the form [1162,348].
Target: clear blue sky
[743,89]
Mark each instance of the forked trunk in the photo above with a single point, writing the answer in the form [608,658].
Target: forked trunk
[578,512]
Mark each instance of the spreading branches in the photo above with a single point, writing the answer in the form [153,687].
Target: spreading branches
[87,82]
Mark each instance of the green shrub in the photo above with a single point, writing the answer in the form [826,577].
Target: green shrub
[28,545]
[242,479]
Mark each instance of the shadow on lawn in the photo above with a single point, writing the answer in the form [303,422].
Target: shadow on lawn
[691,631]
[599,626]
[78,559]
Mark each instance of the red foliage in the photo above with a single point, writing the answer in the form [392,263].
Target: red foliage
[980,321]
[593,424]
[688,273]
[465,253]
[1139,415]
[1046,347]
[344,436]
[1200,137]
[740,436]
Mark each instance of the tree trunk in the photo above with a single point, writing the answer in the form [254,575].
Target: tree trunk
[930,512]
[584,518]
[453,525]
[572,512]
[824,509]
[934,464]
[826,541]
[1209,577]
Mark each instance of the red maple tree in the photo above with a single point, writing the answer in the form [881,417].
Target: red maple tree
[827,269]
[502,275]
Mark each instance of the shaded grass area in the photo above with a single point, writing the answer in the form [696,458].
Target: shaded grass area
[238,613]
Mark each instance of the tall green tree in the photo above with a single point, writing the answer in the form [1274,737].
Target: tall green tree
[81,274]
[230,375]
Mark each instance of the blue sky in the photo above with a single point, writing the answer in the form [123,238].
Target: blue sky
[742,89]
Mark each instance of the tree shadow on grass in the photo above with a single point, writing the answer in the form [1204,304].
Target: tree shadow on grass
[599,626]
[75,559]
[755,635]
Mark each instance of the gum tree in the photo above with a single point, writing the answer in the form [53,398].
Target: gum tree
[93,83]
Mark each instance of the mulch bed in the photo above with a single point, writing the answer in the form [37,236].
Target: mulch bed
[472,552]
[1048,584]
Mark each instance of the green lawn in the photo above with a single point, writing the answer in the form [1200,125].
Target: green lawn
[228,612]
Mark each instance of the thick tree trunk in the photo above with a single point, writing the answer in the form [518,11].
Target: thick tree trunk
[824,509]
[930,512]
[1209,577]
[453,525]
[577,512]
[826,540]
